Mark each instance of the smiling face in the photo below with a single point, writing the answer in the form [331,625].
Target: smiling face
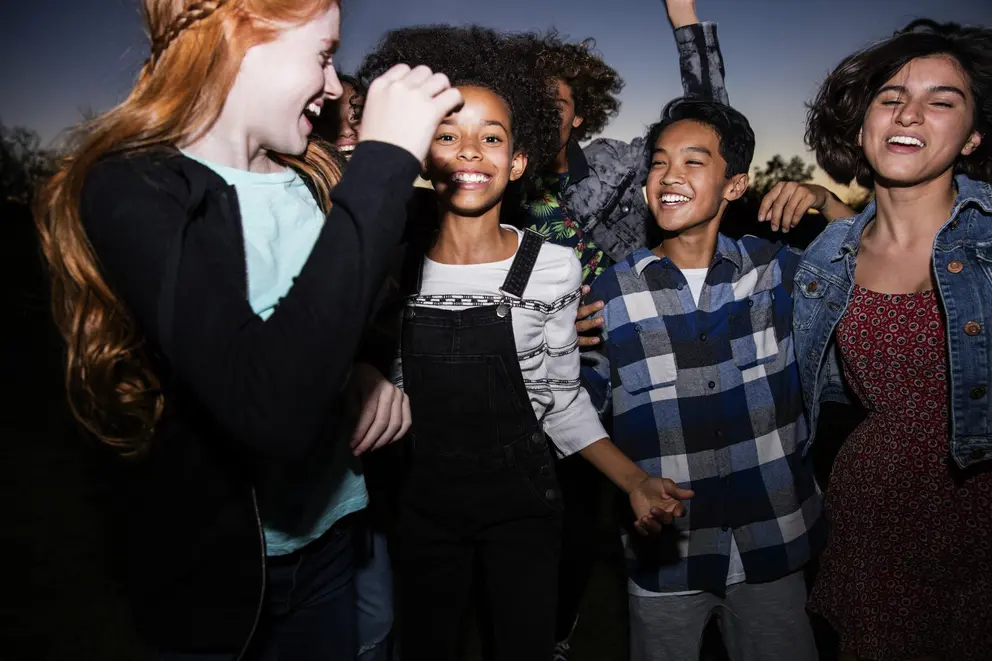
[687,186]
[920,122]
[472,158]
[347,136]
[282,80]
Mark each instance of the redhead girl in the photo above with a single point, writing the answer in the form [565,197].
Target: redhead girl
[211,276]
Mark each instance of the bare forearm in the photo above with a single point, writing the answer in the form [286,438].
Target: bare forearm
[614,464]
[681,12]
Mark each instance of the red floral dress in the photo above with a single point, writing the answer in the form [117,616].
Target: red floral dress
[907,571]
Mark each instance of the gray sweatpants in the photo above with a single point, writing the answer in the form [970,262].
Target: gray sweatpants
[758,622]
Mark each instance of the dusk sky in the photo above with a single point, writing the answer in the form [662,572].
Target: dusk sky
[58,56]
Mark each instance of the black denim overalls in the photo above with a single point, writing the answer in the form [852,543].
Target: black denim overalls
[481,498]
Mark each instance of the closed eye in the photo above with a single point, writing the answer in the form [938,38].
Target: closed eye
[694,163]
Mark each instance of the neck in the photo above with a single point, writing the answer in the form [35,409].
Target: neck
[472,239]
[561,160]
[693,248]
[227,143]
[905,216]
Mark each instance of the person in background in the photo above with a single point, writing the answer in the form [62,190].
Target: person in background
[891,308]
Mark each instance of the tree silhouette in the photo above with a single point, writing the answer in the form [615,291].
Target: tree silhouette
[776,170]
[23,164]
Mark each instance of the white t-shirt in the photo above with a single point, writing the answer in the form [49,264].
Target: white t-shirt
[735,572]
[544,330]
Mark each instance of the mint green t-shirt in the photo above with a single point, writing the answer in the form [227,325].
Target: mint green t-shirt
[299,500]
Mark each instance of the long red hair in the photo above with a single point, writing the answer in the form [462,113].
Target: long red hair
[196,51]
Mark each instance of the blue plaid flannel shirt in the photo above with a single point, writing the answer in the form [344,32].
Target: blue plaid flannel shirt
[710,398]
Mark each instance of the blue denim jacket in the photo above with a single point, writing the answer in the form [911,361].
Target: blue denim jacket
[962,263]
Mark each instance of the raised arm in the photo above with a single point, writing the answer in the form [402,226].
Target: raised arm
[700,59]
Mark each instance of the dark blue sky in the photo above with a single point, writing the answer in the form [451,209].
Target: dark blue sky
[58,56]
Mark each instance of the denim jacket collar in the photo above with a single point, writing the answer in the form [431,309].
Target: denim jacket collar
[969,192]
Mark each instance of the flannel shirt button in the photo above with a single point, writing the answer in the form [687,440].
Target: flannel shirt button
[972,328]
[680,286]
[712,384]
[955,266]
[978,392]
[750,303]
[538,437]
[637,327]
[545,471]
[702,337]
[550,494]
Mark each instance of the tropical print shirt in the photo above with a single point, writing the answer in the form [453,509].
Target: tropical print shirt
[548,214]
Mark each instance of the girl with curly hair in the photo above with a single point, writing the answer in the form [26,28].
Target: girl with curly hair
[488,357]
[211,277]
[891,307]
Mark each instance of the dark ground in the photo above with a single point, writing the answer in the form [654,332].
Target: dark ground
[59,598]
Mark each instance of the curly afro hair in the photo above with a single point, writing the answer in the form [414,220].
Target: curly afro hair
[480,57]
[836,115]
[595,85]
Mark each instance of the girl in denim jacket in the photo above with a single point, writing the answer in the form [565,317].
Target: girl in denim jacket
[891,305]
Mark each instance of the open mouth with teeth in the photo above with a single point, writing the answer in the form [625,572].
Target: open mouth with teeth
[671,200]
[470,179]
[905,143]
[346,149]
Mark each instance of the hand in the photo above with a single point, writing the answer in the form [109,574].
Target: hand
[681,12]
[404,107]
[385,415]
[583,324]
[655,501]
[788,201]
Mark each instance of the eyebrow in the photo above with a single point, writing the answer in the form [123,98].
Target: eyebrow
[701,150]
[901,89]
[486,122]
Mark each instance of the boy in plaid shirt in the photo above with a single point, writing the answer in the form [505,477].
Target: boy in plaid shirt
[697,361]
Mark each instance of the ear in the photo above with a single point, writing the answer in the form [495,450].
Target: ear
[518,165]
[577,121]
[736,187]
[973,143]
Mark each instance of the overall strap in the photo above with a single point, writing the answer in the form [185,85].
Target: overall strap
[523,264]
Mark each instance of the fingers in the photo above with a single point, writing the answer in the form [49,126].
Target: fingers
[589,309]
[380,422]
[588,324]
[796,208]
[767,201]
[588,340]
[417,77]
[436,84]
[365,420]
[397,72]
[407,417]
[447,101]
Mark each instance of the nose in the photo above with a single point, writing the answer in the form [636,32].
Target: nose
[909,113]
[333,89]
[469,150]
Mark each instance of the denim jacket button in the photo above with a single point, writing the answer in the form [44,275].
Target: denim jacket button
[978,392]
[813,286]
[954,224]
[955,266]
[972,328]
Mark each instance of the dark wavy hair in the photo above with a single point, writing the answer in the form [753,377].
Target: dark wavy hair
[595,84]
[485,58]
[731,126]
[837,114]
